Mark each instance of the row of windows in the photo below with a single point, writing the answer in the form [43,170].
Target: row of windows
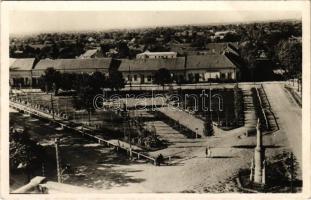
[135,78]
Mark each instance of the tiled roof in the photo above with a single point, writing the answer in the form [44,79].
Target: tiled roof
[209,61]
[152,64]
[67,64]
[21,64]
[220,47]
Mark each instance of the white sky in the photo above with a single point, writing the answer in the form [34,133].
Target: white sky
[27,22]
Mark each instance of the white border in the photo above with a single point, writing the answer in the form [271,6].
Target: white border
[303,6]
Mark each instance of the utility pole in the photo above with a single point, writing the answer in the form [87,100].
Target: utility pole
[291,172]
[59,178]
[52,106]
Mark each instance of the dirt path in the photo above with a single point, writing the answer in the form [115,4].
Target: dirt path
[288,115]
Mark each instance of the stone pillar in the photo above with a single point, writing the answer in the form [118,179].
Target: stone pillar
[259,156]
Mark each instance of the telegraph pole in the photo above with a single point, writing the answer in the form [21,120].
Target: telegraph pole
[52,105]
[59,178]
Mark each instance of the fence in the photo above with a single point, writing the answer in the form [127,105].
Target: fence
[269,107]
[100,140]
[262,109]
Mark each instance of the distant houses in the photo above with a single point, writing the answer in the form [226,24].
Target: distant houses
[147,54]
[91,53]
[214,64]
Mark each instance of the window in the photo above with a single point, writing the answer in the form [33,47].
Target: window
[135,77]
[149,78]
[229,75]
[129,78]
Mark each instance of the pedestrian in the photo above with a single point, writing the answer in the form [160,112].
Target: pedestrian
[206,152]
[209,152]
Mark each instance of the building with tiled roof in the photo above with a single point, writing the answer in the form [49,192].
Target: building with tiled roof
[205,67]
[91,53]
[142,70]
[73,65]
[20,71]
[150,55]
[219,64]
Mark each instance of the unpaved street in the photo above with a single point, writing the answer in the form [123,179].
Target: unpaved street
[288,114]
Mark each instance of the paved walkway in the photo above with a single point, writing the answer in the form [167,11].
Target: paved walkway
[188,120]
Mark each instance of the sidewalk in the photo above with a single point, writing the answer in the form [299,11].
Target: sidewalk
[188,120]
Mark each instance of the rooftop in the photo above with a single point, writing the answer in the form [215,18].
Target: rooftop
[21,64]
[152,64]
[157,53]
[209,61]
[65,64]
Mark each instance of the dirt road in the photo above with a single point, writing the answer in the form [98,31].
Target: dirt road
[288,114]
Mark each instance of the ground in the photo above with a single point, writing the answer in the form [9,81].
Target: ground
[189,171]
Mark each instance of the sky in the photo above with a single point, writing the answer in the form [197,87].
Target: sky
[32,22]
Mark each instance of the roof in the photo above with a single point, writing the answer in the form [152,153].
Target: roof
[67,64]
[89,53]
[23,64]
[157,53]
[220,47]
[152,64]
[209,61]
[12,60]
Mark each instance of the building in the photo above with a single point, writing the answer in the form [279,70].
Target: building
[219,62]
[71,66]
[141,71]
[151,55]
[91,53]
[21,72]
[200,68]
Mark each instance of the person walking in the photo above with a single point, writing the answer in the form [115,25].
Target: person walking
[208,152]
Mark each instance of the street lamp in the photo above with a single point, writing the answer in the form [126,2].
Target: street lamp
[196,133]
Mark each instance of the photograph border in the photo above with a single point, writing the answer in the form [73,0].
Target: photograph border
[6,7]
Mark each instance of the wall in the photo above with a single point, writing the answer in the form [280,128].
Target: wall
[20,78]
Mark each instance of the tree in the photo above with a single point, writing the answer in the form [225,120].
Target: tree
[84,99]
[51,80]
[208,126]
[290,56]
[87,87]
[67,81]
[115,80]
[163,76]
[98,81]
[25,154]
[238,104]
[123,49]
